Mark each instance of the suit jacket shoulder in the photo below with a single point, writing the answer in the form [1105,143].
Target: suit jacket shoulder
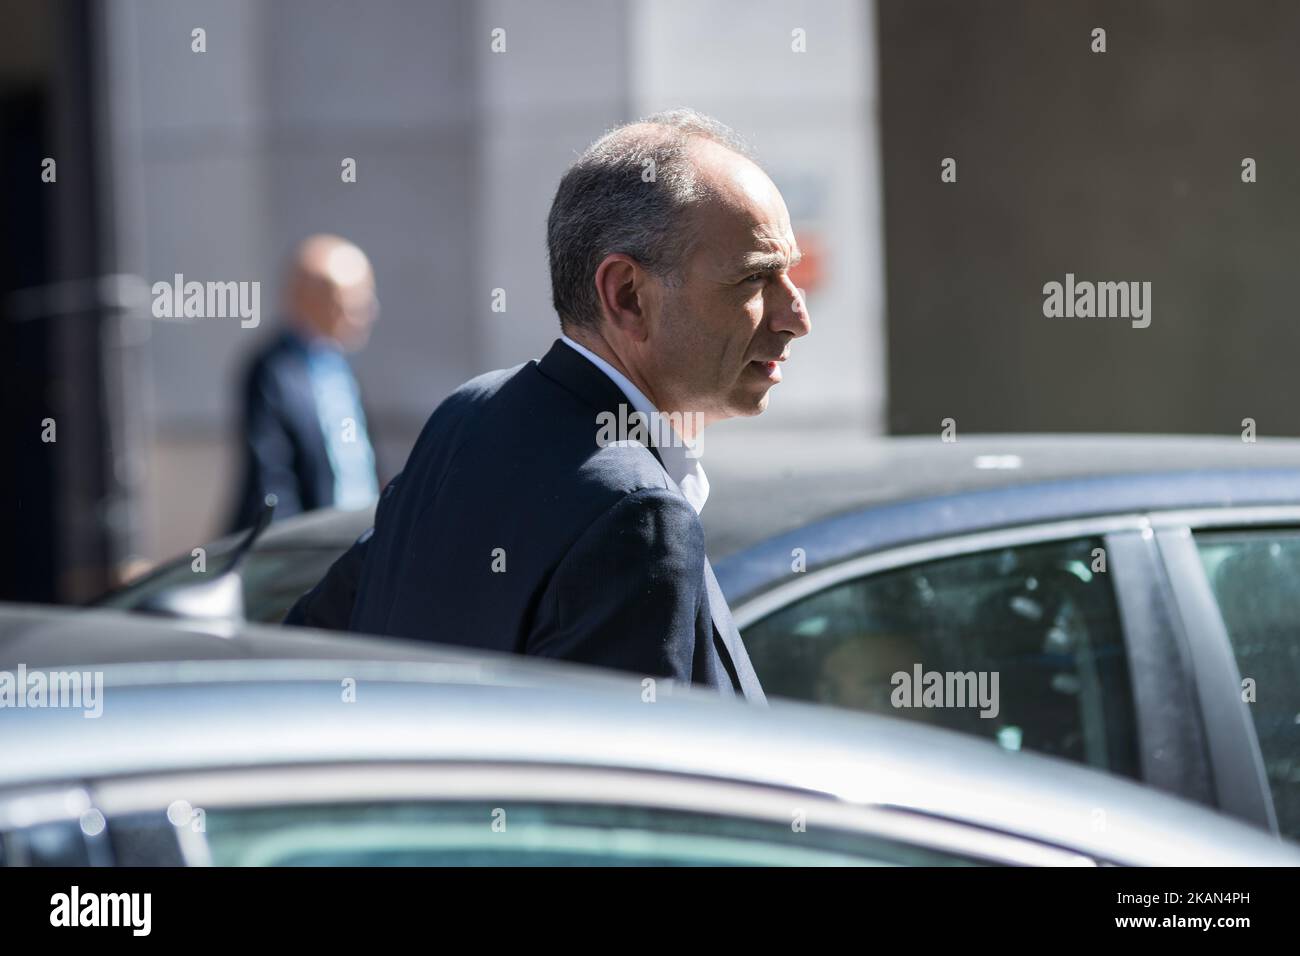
[513,529]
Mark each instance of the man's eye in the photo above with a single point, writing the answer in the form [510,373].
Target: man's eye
[756,277]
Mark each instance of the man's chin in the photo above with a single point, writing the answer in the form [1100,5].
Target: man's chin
[747,406]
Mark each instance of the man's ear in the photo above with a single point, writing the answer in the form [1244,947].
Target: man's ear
[620,287]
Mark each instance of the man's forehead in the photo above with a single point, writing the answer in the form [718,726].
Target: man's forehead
[749,227]
[735,180]
[741,244]
[765,244]
[778,237]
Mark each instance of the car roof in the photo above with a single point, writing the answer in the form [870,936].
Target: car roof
[266,708]
[318,529]
[839,499]
[55,637]
[836,495]
[766,487]
[331,529]
[767,484]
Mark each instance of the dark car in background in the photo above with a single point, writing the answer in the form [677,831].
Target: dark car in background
[1139,596]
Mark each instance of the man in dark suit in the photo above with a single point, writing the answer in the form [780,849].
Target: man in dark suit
[304,433]
[553,508]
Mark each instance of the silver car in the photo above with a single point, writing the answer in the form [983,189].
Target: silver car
[279,746]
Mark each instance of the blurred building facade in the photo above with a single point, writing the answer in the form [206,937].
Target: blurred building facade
[1122,165]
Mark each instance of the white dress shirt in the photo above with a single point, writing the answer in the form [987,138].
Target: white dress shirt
[682,468]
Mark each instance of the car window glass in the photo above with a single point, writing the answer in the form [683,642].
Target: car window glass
[272,580]
[1042,618]
[544,834]
[1255,577]
[189,569]
[45,844]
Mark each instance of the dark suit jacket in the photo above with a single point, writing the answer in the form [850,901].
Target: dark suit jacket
[511,530]
[284,451]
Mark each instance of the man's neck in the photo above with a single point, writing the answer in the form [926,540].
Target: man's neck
[597,344]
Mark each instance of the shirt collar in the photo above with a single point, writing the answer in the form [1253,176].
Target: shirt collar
[686,470]
[313,344]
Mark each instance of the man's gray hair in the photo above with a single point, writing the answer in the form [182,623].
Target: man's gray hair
[628,193]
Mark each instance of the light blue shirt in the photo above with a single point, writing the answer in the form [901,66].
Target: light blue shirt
[343,425]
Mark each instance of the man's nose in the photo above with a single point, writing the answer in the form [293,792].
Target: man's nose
[790,312]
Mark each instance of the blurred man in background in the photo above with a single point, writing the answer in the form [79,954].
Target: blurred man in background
[304,431]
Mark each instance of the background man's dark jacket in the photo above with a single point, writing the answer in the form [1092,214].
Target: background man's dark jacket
[511,530]
[283,448]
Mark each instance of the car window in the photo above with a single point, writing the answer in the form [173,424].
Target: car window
[1255,577]
[272,580]
[177,573]
[535,834]
[924,643]
[46,844]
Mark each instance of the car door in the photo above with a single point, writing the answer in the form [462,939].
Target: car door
[1235,575]
[1074,619]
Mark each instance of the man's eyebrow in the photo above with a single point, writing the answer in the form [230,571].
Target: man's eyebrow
[769,261]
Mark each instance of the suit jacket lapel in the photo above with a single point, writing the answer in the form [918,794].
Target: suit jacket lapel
[733,645]
[572,371]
